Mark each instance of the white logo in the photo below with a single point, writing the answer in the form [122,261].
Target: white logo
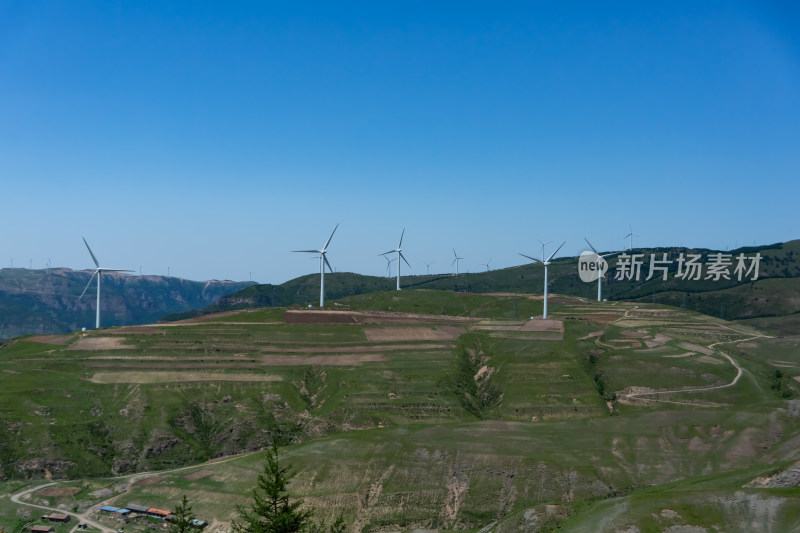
[591,266]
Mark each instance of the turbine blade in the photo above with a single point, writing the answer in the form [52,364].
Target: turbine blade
[554,253]
[90,252]
[307,251]
[404,259]
[401,239]
[590,246]
[331,237]
[454,253]
[389,252]
[87,285]
[326,262]
[531,258]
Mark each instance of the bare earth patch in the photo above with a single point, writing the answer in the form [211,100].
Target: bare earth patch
[148,481]
[540,324]
[323,360]
[100,343]
[200,474]
[413,334]
[168,377]
[687,354]
[658,340]
[58,491]
[59,340]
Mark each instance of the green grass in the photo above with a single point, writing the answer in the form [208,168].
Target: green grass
[391,441]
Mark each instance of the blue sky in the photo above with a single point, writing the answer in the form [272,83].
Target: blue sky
[212,138]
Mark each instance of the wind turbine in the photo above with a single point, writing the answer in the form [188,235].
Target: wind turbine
[543,245]
[600,277]
[388,266]
[98,273]
[323,260]
[428,265]
[486,264]
[399,251]
[545,263]
[630,236]
[456,260]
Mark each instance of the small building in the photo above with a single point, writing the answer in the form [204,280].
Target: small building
[42,529]
[158,513]
[58,517]
[109,509]
[199,524]
[123,512]
[137,508]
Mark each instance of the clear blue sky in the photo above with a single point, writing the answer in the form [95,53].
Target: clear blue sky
[214,137]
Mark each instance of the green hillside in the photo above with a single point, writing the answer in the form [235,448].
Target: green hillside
[775,292]
[421,409]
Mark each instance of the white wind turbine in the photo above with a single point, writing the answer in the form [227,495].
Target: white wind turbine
[543,245]
[99,273]
[545,263]
[399,251]
[456,260]
[600,277]
[630,236]
[428,266]
[323,260]
[486,264]
[388,266]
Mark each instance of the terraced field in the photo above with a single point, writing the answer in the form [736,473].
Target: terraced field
[609,417]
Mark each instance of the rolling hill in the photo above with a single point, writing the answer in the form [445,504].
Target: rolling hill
[47,301]
[772,298]
[420,409]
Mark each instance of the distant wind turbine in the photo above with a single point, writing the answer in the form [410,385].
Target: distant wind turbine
[630,236]
[388,265]
[399,252]
[323,261]
[545,263]
[486,264]
[543,245]
[600,277]
[99,274]
[456,260]
[428,266]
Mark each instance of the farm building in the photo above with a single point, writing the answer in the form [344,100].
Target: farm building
[58,517]
[137,508]
[42,529]
[109,509]
[158,513]
[199,524]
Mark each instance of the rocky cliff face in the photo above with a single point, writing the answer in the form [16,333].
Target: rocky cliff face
[48,302]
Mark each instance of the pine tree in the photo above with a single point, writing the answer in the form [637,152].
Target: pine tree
[181,521]
[272,510]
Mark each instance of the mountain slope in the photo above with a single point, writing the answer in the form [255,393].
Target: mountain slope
[48,302]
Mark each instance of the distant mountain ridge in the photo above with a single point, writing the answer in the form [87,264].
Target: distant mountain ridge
[775,292]
[47,301]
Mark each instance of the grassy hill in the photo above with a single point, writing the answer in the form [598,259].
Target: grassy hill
[421,409]
[48,301]
[776,292]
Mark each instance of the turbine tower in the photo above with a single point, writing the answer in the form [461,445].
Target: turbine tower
[428,266]
[545,263]
[456,260]
[99,273]
[399,251]
[323,260]
[600,277]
